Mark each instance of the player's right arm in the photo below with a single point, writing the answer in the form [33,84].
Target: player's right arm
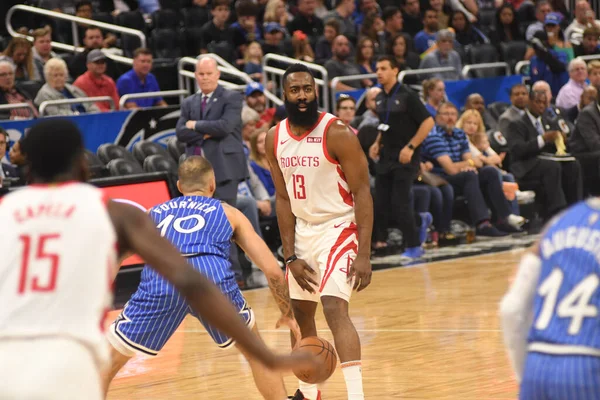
[286,219]
[137,232]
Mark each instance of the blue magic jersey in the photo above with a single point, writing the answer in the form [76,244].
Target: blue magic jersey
[567,296]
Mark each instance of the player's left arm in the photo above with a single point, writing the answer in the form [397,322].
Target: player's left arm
[343,146]
[516,309]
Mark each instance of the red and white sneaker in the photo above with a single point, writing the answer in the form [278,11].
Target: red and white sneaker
[299,396]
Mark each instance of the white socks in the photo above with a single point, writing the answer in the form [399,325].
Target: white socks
[353,376]
[309,390]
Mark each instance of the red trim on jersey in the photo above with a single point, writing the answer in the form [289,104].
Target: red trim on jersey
[325,151]
[305,134]
[276,139]
[344,235]
[346,194]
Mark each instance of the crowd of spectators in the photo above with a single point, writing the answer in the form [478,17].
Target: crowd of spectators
[495,158]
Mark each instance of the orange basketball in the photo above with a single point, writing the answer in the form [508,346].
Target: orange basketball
[324,352]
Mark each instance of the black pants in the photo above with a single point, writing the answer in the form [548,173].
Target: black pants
[392,204]
[560,184]
[590,172]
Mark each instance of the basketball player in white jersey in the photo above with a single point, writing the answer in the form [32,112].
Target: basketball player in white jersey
[325,215]
[60,244]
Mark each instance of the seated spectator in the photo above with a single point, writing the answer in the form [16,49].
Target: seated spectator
[42,49]
[427,37]
[519,99]
[594,73]
[343,14]
[202,9]
[434,94]
[96,83]
[10,94]
[466,33]
[325,42]
[557,183]
[411,20]
[589,43]
[253,61]
[217,33]
[93,39]
[275,12]
[363,10]
[365,59]
[57,88]
[301,47]
[374,29]
[589,95]
[20,54]
[259,163]
[399,49]
[273,42]
[256,100]
[507,26]
[369,117]
[19,160]
[6,170]
[555,35]
[245,29]
[570,94]
[340,66]
[542,8]
[306,21]
[554,118]
[443,12]
[585,18]
[447,148]
[443,56]
[139,79]
[345,110]
[476,102]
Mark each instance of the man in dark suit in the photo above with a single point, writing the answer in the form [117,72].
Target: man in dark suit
[529,137]
[584,144]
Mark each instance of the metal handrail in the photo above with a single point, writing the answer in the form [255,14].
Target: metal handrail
[146,95]
[19,105]
[425,71]
[312,66]
[590,57]
[520,65]
[338,79]
[78,100]
[468,68]
[74,20]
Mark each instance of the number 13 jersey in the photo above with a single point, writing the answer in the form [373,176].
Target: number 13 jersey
[315,182]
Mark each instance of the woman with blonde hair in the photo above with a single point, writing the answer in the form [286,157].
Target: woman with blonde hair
[19,52]
[434,93]
[275,12]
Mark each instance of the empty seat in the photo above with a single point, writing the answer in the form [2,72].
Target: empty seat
[486,20]
[165,19]
[144,149]
[195,17]
[175,148]
[193,41]
[129,44]
[165,71]
[121,167]
[159,163]
[513,52]
[481,54]
[104,17]
[131,19]
[166,43]
[95,165]
[30,87]
[109,151]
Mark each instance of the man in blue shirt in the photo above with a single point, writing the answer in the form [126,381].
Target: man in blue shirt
[426,38]
[139,80]
[447,147]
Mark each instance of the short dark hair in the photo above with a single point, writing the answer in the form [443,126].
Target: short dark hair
[389,12]
[52,147]
[593,32]
[92,28]
[296,68]
[447,104]
[246,8]
[83,3]
[335,24]
[220,3]
[518,85]
[344,97]
[390,59]
[141,51]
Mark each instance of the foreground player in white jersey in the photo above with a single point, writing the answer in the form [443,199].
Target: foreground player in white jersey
[59,255]
[325,215]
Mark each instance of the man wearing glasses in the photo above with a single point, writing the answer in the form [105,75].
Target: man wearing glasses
[10,94]
[443,56]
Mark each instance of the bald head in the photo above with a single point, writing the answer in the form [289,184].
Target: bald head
[196,175]
[207,74]
[475,102]
[370,98]
[340,47]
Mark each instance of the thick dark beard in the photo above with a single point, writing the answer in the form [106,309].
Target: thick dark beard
[305,119]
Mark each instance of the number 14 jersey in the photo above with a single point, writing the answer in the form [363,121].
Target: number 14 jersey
[315,182]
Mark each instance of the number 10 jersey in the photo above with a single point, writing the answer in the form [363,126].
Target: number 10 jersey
[315,182]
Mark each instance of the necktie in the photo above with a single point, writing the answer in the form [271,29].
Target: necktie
[203,105]
[538,126]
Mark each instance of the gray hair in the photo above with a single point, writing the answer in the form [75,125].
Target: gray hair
[444,34]
[249,115]
[54,64]
[575,62]
[9,63]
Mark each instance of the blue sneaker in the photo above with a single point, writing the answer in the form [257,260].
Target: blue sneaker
[426,220]
[413,252]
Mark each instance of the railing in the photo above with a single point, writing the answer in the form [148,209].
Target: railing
[521,65]
[146,95]
[472,67]
[19,105]
[590,58]
[424,71]
[349,78]
[224,67]
[49,103]
[324,82]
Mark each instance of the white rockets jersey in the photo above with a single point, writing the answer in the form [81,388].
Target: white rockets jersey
[315,182]
[57,263]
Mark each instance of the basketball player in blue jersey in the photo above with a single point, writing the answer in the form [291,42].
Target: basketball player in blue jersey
[201,228]
[550,314]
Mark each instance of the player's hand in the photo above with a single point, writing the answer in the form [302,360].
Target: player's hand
[301,272]
[361,269]
[293,325]
[405,155]
[374,151]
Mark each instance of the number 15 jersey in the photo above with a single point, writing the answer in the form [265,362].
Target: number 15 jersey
[315,182]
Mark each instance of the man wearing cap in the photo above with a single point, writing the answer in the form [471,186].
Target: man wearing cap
[95,82]
[256,100]
[542,9]
[273,42]
[443,56]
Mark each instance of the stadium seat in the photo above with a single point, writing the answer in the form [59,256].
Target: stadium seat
[486,20]
[166,43]
[513,52]
[165,71]
[30,87]
[165,19]
[96,166]
[526,15]
[132,20]
[129,44]
[193,40]
[144,149]
[195,17]
[109,151]
[104,17]
[121,166]
[175,148]
[484,53]
[497,108]
[159,163]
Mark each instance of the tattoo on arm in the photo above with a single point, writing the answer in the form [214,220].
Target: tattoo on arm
[281,294]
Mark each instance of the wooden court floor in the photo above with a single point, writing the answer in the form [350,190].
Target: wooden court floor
[428,332]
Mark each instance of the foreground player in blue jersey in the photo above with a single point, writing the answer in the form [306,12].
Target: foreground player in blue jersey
[201,228]
[550,314]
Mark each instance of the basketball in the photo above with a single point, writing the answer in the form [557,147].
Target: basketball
[325,352]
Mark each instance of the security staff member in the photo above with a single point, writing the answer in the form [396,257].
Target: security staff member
[404,124]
